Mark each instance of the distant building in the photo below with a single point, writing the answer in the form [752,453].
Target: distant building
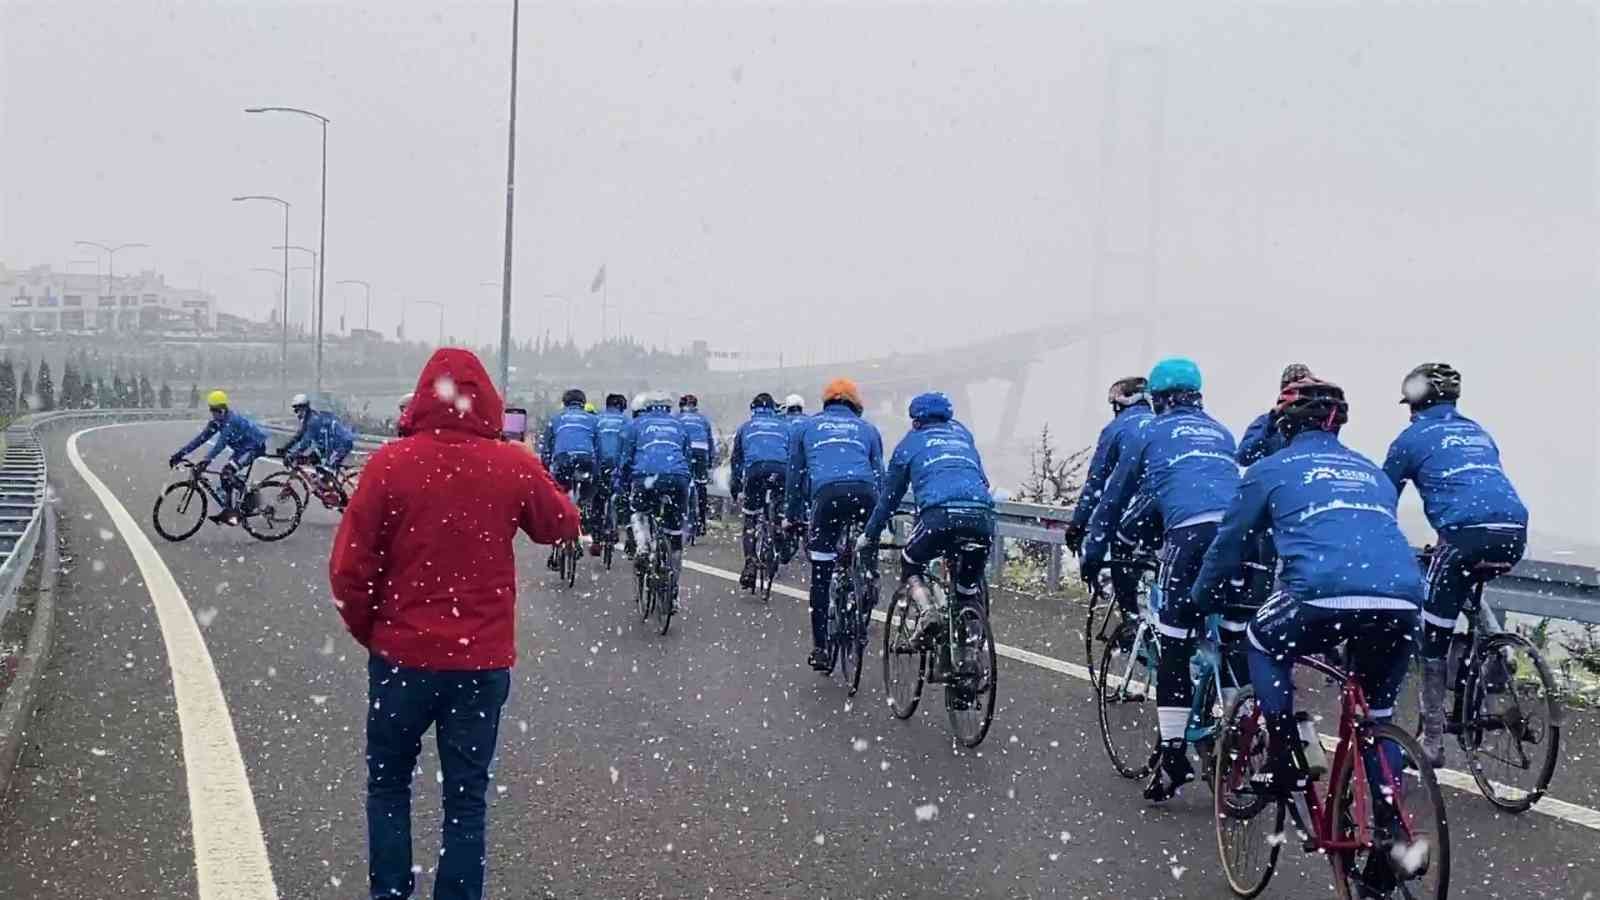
[43,300]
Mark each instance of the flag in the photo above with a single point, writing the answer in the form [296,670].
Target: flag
[599,279]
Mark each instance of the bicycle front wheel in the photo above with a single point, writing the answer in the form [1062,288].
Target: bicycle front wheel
[277,508]
[1125,699]
[179,511]
[903,661]
[1512,723]
[1408,852]
[1249,824]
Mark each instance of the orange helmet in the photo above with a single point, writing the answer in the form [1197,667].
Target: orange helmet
[842,390]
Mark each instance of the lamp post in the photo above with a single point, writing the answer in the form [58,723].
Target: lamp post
[111,260]
[316,286]
[368,288]
[283,351]
[511,171]
[322,231]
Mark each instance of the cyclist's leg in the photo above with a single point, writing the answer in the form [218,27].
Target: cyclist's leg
[1139,528]
[1274,635]
[1449,579]
[863,500]
[702,476]
[830,508]
[1378,653]
[1176,620]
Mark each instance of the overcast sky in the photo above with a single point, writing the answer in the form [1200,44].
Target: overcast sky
[1361,185]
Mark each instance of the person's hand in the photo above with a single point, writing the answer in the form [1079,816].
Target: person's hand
[172,463]
[1074,538]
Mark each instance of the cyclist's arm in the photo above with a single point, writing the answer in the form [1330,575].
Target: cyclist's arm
[1120,488]
[547,444]
[794,499]
[300,437]
[736,464]
[1094,481]
[1398,465]
[1246,517]
[875,458]
[894,488]
[547,514]
[218,446]
[624,460]
[204,435]
[711,440]
[1253,446]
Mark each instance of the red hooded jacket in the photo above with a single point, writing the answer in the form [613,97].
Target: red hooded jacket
[422,569]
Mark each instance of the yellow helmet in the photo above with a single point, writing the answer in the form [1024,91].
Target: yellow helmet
[589,408]
[217,399]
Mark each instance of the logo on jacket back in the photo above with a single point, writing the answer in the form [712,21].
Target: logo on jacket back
[948,442]
[1199,431]
[1325,473]
[837,426]
[1479,441]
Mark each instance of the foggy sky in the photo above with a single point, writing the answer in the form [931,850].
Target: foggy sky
[1359,185]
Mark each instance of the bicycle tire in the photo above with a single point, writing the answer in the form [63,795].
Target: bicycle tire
[569,562]
[1134,686]
[1473,738]
[645,596]
[1434,842]
[191,493]
[904,666]
[665,603]
[852,650]
[271,491]
[970,730]
[1244,879]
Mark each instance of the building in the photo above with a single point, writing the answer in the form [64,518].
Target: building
[44,300]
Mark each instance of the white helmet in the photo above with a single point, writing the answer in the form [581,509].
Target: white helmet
[657,400]
[638,402]
[299,400]
[794,401]
[405,401]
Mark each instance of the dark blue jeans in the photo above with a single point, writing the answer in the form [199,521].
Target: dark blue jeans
[464,709]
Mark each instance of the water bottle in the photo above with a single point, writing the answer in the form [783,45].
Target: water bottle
[1316,759]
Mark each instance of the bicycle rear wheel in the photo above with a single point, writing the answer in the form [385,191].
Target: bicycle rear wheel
[1409,853]
[665,582]
[852,647]
[1512,727]
[903,663]
[1249,825]
[646,596]
[1125,699]
[277,508]
[179,511]
[569,562]
[969,697]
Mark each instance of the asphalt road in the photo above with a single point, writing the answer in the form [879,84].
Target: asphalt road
[708,762]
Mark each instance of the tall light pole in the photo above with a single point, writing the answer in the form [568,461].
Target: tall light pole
[435,305]
[111,260]
[322,231]
[316,293]
[493,284]
[511,192]
[369,298]
[283,352]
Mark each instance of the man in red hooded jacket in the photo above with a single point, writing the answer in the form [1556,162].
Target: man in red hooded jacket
[424,576]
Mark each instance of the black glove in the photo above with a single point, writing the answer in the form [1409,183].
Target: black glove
[1074,538]
[1090,570]
[173,462]
[229,470]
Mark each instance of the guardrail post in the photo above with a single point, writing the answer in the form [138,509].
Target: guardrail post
[997,559]
[1053,572]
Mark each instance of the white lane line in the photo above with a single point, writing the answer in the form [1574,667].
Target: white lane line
[230,854]
[1547,806]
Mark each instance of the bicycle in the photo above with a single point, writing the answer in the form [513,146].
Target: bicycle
[1110,620]
[1504,735]
[655,581]
[567,552]
[606,528]
[969,696]
[1346,821]
[851,596]
[694,525]
[769,531]
[310,479]
[267,512]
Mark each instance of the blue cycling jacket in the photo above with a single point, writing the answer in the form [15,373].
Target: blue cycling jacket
[608,430]
[763,439]
[1456,467]
[701,438]
[571,431]
[1261,440]
[323,432]
[1183,460]
[834,446]
[235,432]
[1116,436]
[1332,516]
[654,444]
[939,461]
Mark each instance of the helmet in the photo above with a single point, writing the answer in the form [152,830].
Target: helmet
[1175,373]
[217,400]
[298,401]
[688,401]
[573,397]
[1294,372]
[405,401]
[1430,383]
[931,406]
[794,403]
[1311,403]
[657,400]
[589,408]
[762,400]
[616,401]
[842,390]
[1126,392]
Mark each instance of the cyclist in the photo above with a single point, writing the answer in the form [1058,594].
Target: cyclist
[838,458]
[938,459]
[1262,438]
[1130,413]
[1183,460]
[1482,524]
[322,433]
[702,450]
[758,462]
[654,468]
[588,407]
[241,437]
[608,447]
[794,407]
[569,447]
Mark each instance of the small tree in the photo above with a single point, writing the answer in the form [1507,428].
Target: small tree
[27,399]
[166,395]
[46,388]
[194,396]
[69,385]
[8,388]
[147,394]
[105,397]
[1050,481]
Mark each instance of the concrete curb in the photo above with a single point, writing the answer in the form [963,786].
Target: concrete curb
[17,712]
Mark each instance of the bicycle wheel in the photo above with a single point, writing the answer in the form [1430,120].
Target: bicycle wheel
[179,511]
[903,663]
[569,562]
[276,510]
[852,647]
[1125,697]
[646,596]
[1409,852]
[1512,727]
[1249,825]
[666,602]
[970,695]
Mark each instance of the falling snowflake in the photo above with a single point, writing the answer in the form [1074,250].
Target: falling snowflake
[927,812]
[819,840]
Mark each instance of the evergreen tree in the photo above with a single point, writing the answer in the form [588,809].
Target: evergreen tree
[105,397]
[166,395]
[46,388]
[69,385]
[119,392]
[147,394]
[8,388]
[26,399]
[194,396]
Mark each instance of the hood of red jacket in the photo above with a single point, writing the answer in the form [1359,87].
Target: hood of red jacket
[454,393]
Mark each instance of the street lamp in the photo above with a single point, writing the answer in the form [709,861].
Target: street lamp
[283,351]
[111,259]
[322,231]
[511,171]
[369,300]
[315,299]
[435,305]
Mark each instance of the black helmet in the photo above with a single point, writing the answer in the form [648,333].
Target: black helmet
[762,400]
[1294,372]
[1430,383]
[688,401]
[1126,392]
[616,401]
[1311,404]
[574,397]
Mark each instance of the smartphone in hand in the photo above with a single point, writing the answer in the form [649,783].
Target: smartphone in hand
[515,425]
